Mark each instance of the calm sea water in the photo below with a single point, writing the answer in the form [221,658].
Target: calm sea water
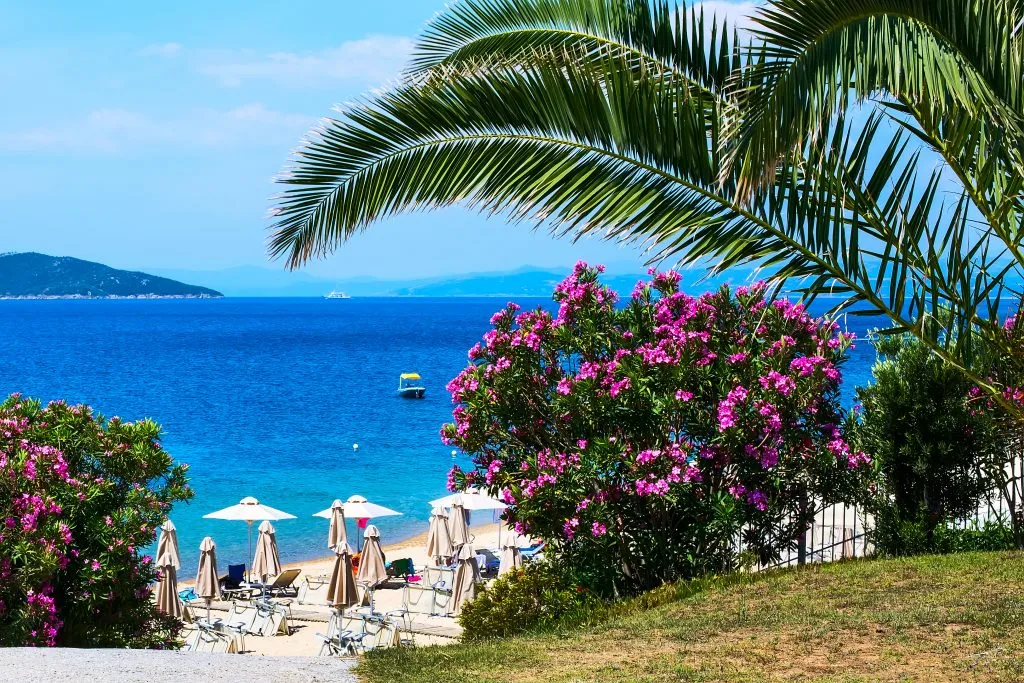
[266,397]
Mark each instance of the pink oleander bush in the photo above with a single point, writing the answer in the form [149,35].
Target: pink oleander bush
[642,440]
[80,498]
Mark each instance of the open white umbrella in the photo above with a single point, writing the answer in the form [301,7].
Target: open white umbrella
[249,510]
[168,544]
[357,507]
[472,499]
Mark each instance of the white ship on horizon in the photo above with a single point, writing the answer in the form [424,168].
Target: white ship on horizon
[334,294]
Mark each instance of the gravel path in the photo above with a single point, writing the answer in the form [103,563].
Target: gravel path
[42,665]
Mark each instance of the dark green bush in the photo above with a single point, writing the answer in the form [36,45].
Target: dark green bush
[894,536]
[935,447]
[534,596]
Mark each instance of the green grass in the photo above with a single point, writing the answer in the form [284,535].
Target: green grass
[934,618]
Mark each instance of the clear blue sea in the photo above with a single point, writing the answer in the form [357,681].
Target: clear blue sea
[265,397]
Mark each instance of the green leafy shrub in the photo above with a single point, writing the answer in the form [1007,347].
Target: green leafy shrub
[526,598]
[80,497]
[901,537]
[934,445]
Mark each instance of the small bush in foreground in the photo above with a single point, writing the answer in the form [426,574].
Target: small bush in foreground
[80,496]
[523,599]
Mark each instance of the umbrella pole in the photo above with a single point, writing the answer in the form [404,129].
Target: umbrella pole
[248,570]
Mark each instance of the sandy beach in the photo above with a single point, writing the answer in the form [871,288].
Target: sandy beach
[310,612]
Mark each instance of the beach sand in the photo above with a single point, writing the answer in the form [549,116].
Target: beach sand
[310,618]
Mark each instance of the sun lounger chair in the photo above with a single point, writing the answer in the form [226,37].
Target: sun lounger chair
[205,638]
[345,633]
[234,577]
[313,590]
[402,567]
[282,586]
[380,633]
[271,619]
[531,553]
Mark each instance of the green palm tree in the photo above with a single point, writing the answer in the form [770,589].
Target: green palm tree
[871,149]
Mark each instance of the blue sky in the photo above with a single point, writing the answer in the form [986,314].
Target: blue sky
[146,135]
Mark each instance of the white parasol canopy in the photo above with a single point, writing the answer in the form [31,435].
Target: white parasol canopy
[357,507]
[473,499]
[249,510]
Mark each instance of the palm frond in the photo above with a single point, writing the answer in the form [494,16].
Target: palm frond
[820,56]
[582,153]
[651,34]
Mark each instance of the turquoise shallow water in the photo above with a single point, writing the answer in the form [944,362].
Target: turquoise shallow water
[265,397]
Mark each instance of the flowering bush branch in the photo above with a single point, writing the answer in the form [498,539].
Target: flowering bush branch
[642,440]
[80,497]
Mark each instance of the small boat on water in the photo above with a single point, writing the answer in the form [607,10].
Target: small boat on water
[336,295]
[409,385]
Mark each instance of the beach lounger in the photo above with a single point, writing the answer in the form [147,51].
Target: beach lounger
[203,638]
[345,633]
[533,552]
[271,619]
[282,586]
[313,590]
[402,567]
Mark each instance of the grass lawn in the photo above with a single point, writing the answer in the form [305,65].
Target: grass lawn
[935,618]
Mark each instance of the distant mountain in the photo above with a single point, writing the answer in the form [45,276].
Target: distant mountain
[529,281]
[32,275]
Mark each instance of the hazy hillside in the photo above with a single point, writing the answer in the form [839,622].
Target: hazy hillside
[39,275]
[524,282]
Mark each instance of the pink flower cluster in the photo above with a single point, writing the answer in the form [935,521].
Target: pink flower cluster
[668,398]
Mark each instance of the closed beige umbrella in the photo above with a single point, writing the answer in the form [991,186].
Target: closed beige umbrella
[465,578]
[167,587]
[439,541]
[371,564]
[341,592]
[207,581]
[511,558]
[458,525]
[168,543]
[266,563]
[337,533]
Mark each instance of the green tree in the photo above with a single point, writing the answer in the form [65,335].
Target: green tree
[934,442]
[643,121]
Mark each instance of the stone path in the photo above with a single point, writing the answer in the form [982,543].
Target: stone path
[44,665]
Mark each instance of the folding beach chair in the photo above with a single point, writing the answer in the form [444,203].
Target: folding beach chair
[532,553]
[282,585]
[313,590]
[345,633]
[403,568]
[270,619]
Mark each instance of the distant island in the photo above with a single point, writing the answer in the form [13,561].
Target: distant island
[525,282]
[38,276]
